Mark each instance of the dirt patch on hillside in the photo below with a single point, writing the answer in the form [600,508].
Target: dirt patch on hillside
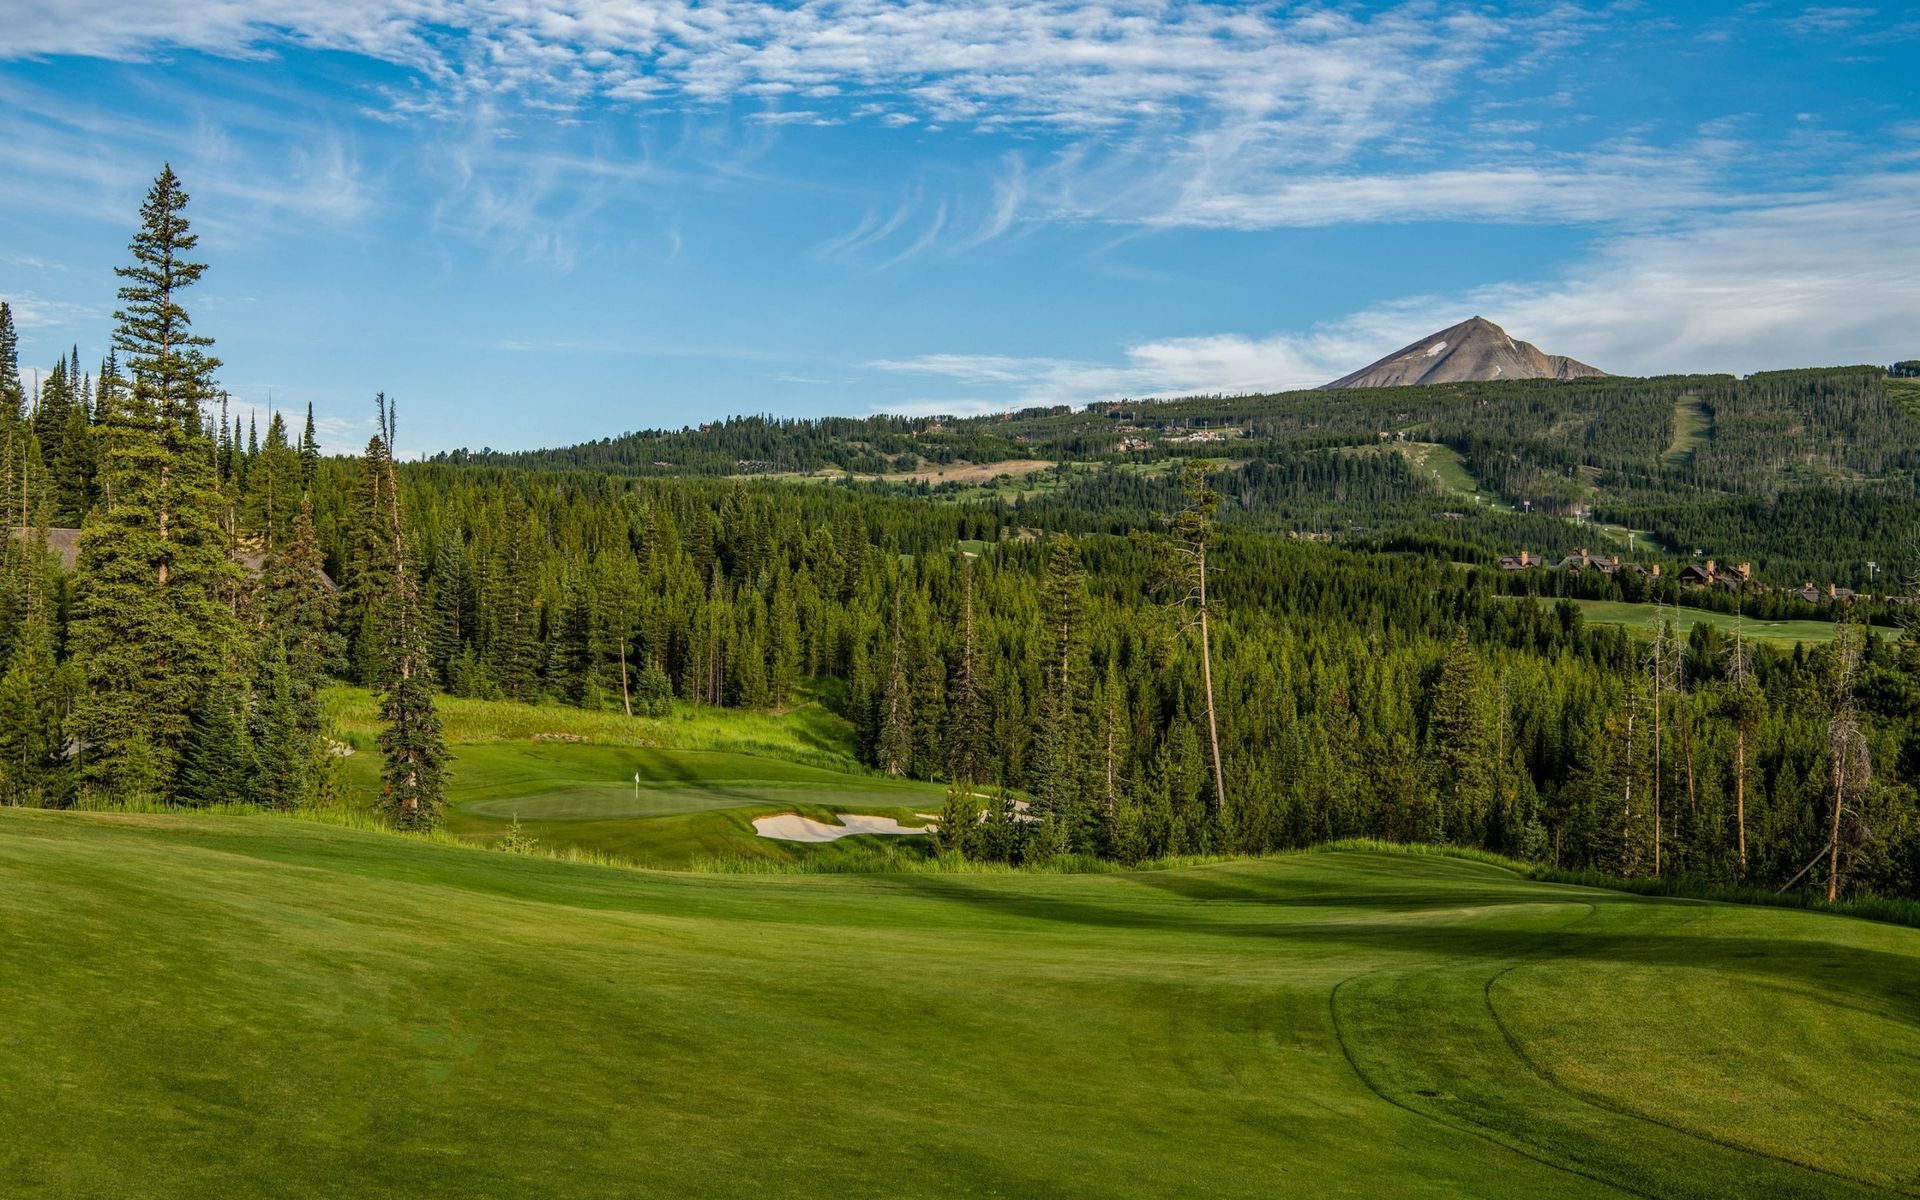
[965,472]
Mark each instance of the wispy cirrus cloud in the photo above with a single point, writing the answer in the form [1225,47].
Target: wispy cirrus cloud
[1049,62]
[1229,85]
[1147,113]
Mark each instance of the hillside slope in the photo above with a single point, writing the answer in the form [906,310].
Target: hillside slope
[1475,350]
[255,1006]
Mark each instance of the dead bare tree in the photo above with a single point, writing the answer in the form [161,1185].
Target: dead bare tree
[1849,761]
[1193,533]
[1665,667]
[1745,703]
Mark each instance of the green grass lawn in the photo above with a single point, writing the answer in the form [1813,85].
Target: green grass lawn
[704,775]
[1640,618]
[256,1006]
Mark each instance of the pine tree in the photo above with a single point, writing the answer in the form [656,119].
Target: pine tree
[414,776]
[309,453]
[12,398]
[581,644]
[33,686]
[30,713]
[73,473]
[224,450]
[110,413]
[152,625]
[513,645]
[1061,733]
[894,750]
[784,662]
[217,765]
[273,487]
[967,739]
[371,570]
[1457,745]
[298,608]
[449,603]
[281,724]
[958,830]
[50,413]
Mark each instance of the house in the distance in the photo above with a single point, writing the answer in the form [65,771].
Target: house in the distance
[1712,574]
[1813,593]
[1519,562]
[1583,561]
[64,543]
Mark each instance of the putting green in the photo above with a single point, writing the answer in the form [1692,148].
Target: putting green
[557,783]
[687,804]
[200,1005]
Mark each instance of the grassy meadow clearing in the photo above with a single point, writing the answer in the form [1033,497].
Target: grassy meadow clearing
[1641,620]
[205,1005]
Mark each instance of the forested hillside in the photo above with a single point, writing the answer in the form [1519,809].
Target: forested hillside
[1128,660]
[1809,474]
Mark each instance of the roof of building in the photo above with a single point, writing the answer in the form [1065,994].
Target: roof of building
[65,543]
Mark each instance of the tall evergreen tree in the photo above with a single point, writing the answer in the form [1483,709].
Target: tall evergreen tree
[152,629]
[33,685]
[967,740]
[513,645]
[894,751]
[1457,745]
[50,411]
[372,572]
[1060,736]
[273,487]
[12,399]
[73,472]
[414,776]
[279,726]
[217,763]
[309,452]
[298,609]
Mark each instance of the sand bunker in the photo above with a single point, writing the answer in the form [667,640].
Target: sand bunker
[792,827]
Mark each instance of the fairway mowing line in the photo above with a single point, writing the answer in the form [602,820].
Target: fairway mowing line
[1618,1109]
[1485,1135]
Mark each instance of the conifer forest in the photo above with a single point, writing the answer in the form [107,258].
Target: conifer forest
[1292,633]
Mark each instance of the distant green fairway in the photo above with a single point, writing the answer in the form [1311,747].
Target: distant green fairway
[256,1006]
[1641,619]
[582,783]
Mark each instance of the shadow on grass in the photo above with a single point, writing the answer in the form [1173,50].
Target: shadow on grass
[1890,979]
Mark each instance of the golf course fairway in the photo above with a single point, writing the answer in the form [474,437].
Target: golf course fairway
[254,1006]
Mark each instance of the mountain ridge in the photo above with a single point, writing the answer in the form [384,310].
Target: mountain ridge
[1475,350]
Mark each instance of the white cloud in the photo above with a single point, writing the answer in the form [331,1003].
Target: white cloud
[31,311]
[1332,79]
[1822,279]
[1164,113]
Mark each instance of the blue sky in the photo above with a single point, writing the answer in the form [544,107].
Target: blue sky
[536,223]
